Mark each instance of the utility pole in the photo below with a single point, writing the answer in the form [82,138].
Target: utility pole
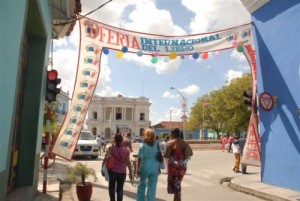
[47,137]
[183,107]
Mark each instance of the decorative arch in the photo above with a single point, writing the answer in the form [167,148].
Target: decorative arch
[97,38]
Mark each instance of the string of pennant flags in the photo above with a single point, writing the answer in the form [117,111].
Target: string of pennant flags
[238,46]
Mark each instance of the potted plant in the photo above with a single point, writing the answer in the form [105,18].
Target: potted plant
[78,174]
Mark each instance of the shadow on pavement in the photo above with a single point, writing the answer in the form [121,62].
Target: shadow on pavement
[85,158]
[129,194]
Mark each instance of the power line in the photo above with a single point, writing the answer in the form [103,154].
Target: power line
[82,16]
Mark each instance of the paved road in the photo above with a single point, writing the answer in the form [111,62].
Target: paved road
[202,181]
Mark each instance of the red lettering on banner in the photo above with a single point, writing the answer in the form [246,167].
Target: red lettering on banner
[135,43]
[115,38]
[251,53]
[110,37]
[102,34]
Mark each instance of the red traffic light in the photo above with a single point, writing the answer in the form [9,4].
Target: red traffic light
[52,75]
[51,85]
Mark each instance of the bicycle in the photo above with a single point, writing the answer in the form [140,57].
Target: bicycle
[104,147]
[51,158]
[134,166]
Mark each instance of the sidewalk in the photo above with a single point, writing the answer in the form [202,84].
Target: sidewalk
[252,184]
[247,183]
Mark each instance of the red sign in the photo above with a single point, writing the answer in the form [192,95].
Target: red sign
[266,101]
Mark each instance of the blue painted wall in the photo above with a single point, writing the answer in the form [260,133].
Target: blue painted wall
[277,35]
[16,18]
[9,64]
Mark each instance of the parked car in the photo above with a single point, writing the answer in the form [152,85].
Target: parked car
[87,145]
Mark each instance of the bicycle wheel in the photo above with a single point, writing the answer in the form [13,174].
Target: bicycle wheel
[51,161]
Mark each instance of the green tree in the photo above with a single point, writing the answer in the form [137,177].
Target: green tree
[223,110]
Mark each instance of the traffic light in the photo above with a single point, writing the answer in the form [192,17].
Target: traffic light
[51,88]
[248,98]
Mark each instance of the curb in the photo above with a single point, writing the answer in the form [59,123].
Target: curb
[255,193]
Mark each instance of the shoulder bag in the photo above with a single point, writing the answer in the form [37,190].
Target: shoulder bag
[160,158]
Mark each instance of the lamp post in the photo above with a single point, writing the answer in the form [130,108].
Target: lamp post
[171,120]
[172,110]
[183,108]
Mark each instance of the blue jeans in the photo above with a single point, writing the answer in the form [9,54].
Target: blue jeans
[114,178]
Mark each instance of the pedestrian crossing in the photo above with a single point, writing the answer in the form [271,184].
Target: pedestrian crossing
[192,178]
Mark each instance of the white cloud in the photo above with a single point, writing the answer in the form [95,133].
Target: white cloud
[66,66]
[190,90]
[167,67]
[237,56]
[161,66]
[147,18]
[107,91]
[215,15]
[231,74]
[168,94]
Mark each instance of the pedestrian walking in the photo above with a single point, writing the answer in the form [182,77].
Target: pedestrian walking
[177,153]
[237,154]
[99,141]
[147,167]
[127,142]
[242,142]
[230,141]
[223,142]
[117,174]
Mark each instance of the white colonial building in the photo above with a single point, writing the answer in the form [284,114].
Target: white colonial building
[63,106]
[128,115]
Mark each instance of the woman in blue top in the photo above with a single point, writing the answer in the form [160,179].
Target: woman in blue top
[147,167]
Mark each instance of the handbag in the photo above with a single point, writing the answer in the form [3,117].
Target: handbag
[188,152]
[159,154]
[104,172]
[160,159]
[110,160]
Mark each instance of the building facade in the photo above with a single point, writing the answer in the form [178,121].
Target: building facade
[106,115]
[63,106]
[164,128]
[25,45]
[277,43]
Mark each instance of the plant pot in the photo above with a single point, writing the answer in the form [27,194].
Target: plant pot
[84,192]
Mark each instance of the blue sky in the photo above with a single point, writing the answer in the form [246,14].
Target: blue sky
[134,76]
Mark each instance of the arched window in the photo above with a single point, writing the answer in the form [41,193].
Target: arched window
[107,134]
[142,132]
[95,115]
[94,131]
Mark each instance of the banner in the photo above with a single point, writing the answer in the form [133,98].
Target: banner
[96,37]
[251,152]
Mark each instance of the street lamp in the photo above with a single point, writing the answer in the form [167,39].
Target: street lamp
[172,110]
[171,120]
[183,106]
